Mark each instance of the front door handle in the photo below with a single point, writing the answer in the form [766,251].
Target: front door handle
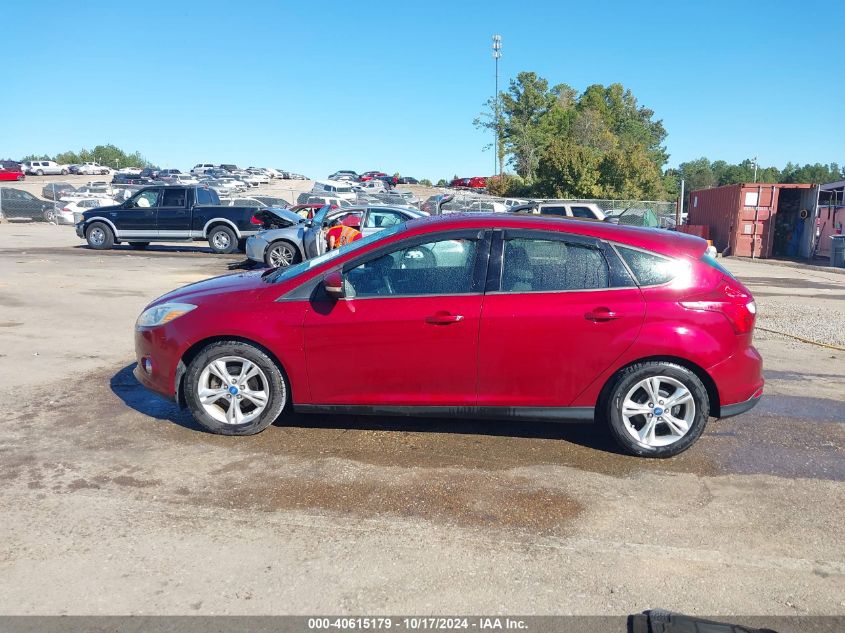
[443,318]
[602,314]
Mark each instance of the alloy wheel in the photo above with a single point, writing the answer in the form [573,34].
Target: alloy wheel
[658,411]
[281,256]
[234,390]
[97,236]
[221,240]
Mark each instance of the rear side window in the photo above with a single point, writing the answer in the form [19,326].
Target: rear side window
[650,269]
[553,211]
[532,265]
[204,197]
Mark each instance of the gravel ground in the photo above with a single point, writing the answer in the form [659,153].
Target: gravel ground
[806,303]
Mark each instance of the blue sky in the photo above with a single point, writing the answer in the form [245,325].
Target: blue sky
[316,86]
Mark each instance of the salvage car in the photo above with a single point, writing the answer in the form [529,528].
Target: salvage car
[169,214]
[522,318]
[286,247]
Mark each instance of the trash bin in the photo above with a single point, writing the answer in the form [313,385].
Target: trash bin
[837,251]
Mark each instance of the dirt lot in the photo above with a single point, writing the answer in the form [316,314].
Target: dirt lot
[114,502]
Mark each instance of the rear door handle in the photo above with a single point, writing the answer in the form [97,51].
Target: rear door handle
[602,314]
[443,318]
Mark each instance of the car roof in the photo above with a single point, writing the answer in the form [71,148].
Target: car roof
[657,240]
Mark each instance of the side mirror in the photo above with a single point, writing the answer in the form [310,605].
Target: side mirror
[333,283]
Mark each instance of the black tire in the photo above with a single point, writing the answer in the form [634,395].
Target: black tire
[21,177]
[281,254]
[64,172]
[222,239]
[99,236]
[39,172]
[139,245]
[50,215]
[627,379]
[278,388]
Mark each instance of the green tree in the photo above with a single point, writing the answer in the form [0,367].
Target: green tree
[569,171]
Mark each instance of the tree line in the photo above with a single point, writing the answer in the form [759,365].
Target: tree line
[108,155]
[602,143]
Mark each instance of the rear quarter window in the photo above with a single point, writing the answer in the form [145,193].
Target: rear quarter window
[650,269]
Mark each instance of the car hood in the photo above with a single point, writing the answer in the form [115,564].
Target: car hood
[244,284]
[100,211]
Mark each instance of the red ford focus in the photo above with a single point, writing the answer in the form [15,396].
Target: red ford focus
[497,316]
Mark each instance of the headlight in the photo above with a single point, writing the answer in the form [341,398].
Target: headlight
[161,314]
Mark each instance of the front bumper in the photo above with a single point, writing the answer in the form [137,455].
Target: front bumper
[154,349]
[80,230]
[256,246]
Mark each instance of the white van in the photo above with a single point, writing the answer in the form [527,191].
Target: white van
[334,188]
[43,168]
[201,168]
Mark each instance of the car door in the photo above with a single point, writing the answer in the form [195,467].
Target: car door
[559,310]
[137,216]
[406,333]
[174,213]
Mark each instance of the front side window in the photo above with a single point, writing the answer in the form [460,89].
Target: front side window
[444,267]
[553,210]
[382,219]
[536,265]
[583,212]
[145,199]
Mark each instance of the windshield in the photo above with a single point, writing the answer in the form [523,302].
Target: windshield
[289,272]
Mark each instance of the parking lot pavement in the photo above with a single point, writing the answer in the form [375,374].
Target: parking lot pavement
[113,501]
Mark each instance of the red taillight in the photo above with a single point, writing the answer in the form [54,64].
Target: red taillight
[734,304]
[254,220]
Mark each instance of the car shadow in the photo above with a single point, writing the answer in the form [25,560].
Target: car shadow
[126,387]
[156,248]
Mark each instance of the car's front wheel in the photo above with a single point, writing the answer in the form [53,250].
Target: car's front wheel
[99,236]
[50,215]
[281,255]
[39,172]
[234,388]
[64,172]
[657,409]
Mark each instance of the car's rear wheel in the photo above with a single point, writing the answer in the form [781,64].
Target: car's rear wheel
[139,245]
[50,215]
[222,240]
[281,255]
[657,409]
[234,388]
[99,236]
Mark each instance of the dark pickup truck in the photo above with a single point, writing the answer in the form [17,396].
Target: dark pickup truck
[170,214]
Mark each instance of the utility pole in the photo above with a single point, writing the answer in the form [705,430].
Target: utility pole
[497,53]
[679,210]
[755,168]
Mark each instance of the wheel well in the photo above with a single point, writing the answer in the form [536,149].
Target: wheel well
[215,223]
[703,376]
[197,347]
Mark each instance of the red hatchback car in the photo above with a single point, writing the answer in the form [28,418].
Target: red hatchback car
[515,317]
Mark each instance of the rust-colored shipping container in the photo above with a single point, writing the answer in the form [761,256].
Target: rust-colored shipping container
[757,220]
